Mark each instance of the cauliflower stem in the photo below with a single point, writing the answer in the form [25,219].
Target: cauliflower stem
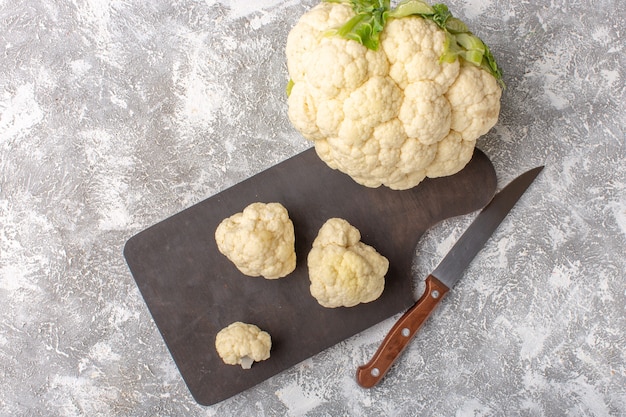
[371,16]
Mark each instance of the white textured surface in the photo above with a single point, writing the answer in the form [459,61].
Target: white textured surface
[115,115]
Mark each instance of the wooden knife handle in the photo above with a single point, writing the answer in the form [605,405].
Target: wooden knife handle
[401,334]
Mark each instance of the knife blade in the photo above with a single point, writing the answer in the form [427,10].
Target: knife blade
[443,278]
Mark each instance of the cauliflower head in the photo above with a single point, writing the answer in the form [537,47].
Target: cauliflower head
[243,344]
[398,111]
[343,270]
[260,241]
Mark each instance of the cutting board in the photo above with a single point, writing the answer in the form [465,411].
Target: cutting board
[193,291]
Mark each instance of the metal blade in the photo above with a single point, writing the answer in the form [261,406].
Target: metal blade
[451,268]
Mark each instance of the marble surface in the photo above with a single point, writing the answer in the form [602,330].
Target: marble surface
[115,115]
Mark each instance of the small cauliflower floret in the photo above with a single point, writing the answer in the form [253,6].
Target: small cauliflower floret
[260,241]
[343,270]
[427,80]
[243,344]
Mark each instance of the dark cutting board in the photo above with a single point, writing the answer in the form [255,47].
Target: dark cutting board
[193,291]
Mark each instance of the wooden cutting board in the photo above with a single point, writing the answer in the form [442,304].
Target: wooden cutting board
[193,291]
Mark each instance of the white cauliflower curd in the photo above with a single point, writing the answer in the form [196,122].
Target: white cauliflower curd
[243,344]
[343,270]
[260,241]
[390,96]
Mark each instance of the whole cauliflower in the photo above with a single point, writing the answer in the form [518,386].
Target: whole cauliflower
[243,344]
[382,93]
[343,270]
[260,241]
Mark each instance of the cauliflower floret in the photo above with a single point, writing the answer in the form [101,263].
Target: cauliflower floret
[376,101]
[413,46]
[351,64]
[453,153]
[475,101]
[425,113]
[343,270]
[260,241]
[348,99]
[243,344]
[305,39]
[303,112]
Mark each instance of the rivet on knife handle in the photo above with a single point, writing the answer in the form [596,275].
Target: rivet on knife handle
[401,334]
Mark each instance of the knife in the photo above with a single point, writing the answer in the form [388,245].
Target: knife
[443,278]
